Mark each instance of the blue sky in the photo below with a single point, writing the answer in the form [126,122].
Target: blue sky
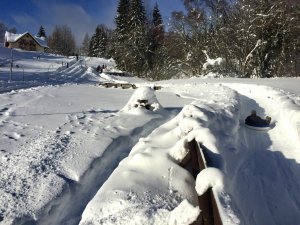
[81,15]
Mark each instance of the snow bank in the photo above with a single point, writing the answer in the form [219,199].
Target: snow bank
[151,170]
[148,184]
[184,214]
[210,178]
[180,151]
[213,120]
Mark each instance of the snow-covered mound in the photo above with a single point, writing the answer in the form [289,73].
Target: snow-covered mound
[32,69]
[149,184]
[109,64]
[184,214]
[143,99]
[209,177]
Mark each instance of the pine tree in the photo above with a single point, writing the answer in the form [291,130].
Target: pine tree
[156,56]
[137,16]
[132,42]
[41,32]
[122,18]
[138,50]
[103,41]
[158,29]
[99,42]
[121,34]
[93,46]
[85,44]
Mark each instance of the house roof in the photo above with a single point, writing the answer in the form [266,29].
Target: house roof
[10,37]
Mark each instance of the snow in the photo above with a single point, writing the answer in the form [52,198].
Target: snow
[184,214]
[42,41]
[209,177]
[74,152]
[180,151]
[211,62]
[142,93]
[11,37]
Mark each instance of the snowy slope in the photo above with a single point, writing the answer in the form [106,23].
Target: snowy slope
[62,139]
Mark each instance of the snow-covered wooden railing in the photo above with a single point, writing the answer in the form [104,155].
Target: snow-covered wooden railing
[210,214]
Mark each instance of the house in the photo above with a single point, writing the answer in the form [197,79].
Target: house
[25,41]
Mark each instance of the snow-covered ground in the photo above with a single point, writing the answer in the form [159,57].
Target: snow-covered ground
[73,152]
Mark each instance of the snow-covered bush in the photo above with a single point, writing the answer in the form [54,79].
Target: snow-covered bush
[212,65]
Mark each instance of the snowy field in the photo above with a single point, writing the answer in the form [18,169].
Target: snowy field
[74,152]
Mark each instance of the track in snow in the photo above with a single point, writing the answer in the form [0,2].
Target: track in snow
[68,208]
[266,183]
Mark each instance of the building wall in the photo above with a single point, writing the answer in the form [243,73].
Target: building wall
[26,43]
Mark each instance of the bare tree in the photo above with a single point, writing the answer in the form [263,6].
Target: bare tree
[62,41]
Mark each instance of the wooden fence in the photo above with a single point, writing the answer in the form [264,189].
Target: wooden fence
[210,214]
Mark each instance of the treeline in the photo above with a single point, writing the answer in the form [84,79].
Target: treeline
[62,41]
[253,37]
[249,38]
[137,43]
[245,38]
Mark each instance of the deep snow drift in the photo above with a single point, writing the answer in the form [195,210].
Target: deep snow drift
[137,193]
[61,145]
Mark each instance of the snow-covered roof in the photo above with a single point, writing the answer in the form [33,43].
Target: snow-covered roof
[11,37]
[42,41]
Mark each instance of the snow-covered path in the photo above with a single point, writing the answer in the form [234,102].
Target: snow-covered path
[266,170]
[68,208]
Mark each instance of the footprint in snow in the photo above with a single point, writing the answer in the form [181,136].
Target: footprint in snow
[4,111]
[14,136]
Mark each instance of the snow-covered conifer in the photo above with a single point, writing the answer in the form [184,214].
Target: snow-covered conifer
[41,32]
